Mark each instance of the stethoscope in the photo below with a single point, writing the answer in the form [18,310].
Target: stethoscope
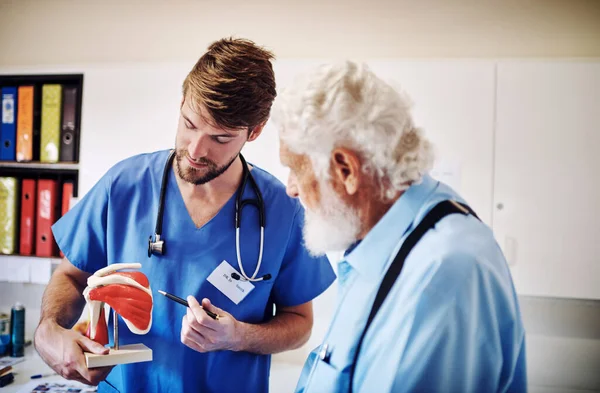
[157,245]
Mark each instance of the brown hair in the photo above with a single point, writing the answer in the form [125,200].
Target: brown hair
[234,81]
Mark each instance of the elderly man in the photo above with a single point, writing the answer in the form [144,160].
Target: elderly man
[426,297]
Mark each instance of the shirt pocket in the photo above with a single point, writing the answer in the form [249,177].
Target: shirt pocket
[320,375]
[327,378]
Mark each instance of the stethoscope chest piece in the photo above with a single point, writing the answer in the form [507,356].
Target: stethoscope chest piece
[156,247]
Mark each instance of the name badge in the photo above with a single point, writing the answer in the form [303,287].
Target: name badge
[235,290]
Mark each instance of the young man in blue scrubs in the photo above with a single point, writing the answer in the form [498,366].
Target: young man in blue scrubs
[227,99]
[426,299]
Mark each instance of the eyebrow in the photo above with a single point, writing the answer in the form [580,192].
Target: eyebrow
[219,135]
[188,120]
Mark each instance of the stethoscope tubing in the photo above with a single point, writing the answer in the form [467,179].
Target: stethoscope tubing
[157,247]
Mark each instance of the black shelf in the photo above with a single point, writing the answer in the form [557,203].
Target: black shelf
[41,170]
[35,165]
[37,80]
[61,171]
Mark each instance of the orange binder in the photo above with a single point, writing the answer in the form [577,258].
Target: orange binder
[27,235]
[25,124]
[46,207]
[67,194]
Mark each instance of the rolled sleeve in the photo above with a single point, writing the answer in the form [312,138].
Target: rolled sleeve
[81,232]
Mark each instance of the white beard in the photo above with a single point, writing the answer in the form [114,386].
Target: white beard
[333,226]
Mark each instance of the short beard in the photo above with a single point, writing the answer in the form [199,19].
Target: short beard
[333,226]
[192,175]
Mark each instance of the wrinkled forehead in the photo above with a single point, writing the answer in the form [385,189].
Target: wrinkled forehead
[290,158]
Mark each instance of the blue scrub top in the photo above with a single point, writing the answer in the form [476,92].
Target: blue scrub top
[112,223]
[451,322]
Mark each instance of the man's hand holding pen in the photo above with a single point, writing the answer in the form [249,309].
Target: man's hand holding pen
[202,333]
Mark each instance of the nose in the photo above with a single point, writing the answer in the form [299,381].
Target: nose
[292,187]
[198,147]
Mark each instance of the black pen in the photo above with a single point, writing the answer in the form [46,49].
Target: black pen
[185,303]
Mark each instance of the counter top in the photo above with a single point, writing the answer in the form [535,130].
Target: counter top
[32,365]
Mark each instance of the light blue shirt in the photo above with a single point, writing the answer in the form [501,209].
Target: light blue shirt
[451,322]
[112,224]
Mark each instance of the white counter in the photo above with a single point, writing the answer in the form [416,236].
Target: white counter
[283,379]
[32,365]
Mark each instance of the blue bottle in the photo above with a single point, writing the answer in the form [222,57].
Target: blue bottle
[4,334]
[17,331]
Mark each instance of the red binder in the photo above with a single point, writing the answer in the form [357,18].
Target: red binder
[46,207]
[27,235]
[67,194]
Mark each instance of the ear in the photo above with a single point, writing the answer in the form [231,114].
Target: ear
[256,131]
[346,168]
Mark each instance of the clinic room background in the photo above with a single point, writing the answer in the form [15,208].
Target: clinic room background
[508,91]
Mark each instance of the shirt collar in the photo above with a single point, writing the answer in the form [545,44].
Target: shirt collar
[370,256]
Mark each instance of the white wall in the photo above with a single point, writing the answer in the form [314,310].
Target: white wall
[466,107]
[36,32]
[546,182]
[143,36]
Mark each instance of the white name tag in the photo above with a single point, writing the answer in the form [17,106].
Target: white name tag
[235,290]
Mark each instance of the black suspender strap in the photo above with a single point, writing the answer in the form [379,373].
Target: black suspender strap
[438,212]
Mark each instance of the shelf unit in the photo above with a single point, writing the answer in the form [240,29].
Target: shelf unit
[61,171]
[20,268]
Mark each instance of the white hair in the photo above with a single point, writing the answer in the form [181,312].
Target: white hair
[347,105]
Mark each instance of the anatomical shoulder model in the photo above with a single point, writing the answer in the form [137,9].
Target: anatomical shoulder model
[128,293]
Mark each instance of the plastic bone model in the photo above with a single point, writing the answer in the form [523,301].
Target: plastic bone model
[127,293]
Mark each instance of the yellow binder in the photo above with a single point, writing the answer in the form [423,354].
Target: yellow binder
[50,129]
[8,214]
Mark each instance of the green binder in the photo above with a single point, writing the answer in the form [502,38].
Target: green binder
[50,129]
[9,191]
